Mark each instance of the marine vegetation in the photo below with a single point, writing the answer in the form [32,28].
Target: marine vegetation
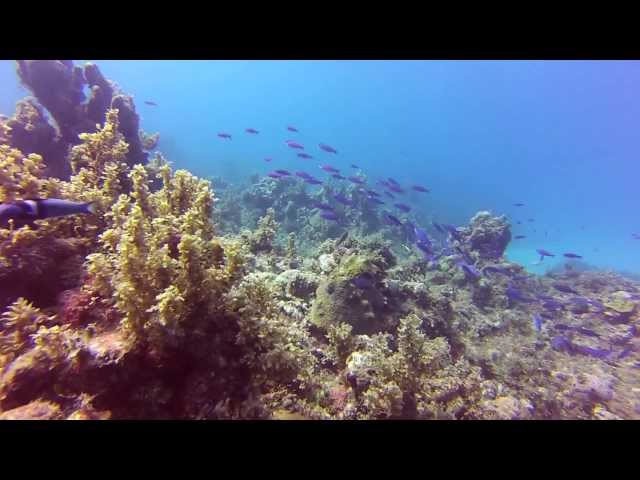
[286,297]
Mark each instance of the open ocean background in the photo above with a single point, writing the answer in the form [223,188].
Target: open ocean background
[562,137]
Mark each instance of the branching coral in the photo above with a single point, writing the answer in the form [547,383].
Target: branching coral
[19,322]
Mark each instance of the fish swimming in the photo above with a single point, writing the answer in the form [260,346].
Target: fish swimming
[402,207]
[543,253]
[306,156]
[312,181]
[593,352]
[342,199]
[515,294]
[572,255]
[561,287]
[439,227]
[327,148]
[469,270]
[389,194]
[292,144]
[363,280]
[329,168]
[453,231]
[420,188]
[635,236]
[149,102]
[224,135]
[338,176]
[268,159]
[391,220]
[357,180]
[274,175]
[395,188]
[292,129]
[421,235]
[353,165]
[25,212]
[322,206]
[303,175]
[251,130]
[284,173]
[496,269]
[329,215]
[588,332]
[537,321]
[377,201]
[518,204]
[519,237]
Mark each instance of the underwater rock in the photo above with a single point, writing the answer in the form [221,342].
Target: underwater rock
[620,307]
[297,284]
[508,408]
[488,235]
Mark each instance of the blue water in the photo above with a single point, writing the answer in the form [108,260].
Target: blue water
[561,137]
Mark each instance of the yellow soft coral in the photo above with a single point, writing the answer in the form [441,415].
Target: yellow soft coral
[19,323]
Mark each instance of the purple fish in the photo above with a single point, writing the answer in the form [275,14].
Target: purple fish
[306,156]
[284,173]
[329,215]
[520,237]
[420,188]
[372,193]
[552,305]
[292,144]
[292,129]
[312,181]
[329,168]
[338,176]
[268,159]
[625,353]
[251,130]
[327,148]
[438,227]
[588,332]
[403,207]
[342,199]
[515,294]
[561,287]
[395,188]
[375,200]
[561,343]
[572,255]
[303,175]
[469,270]
[363,280]
[391,220]
[421,235]
[274,175]
[357,180]
[592,352]
[389,194]
[537,321]
[353,165]
[322,206]
[518,204]
[225,135]
[544,253]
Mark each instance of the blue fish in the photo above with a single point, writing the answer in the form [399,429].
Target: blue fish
[561,343]
[363,280]
[375,200]
[25,212]
[593,352]
[312,181]
[403,207]
[283,172]
[329,215]
[322,206]
[391,220]
[544,253]
[625,353]
[453,231]
[537,322]
[553,305]
[515,294]
[496,269]
[342,199]
[357,180]
[561,287]
[421,235]
[469,270]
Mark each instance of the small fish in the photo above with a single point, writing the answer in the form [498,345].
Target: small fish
[322,206]
[389,194]
[268,159]
[421,235]
[224,135]
[25,212]
[274,175]
[149,102]
[372,193]
[593,352]
[327,148]
[342,238]
[438,227]
[377,201]
[420,188]
[292,144]
[338,176]
[303,175]
[588,332]
[561,287]
[453,231]
[518,222]
[306,156]
[251,130]
[395,188]
[329,168]
[572,255]
[469,270]
[537,321]
[357,180]
[312,181]
[553,305]
[391,180]
[543,253]
[402,207]
[515,294]
[530,220]
[518,204]
[363,281]
[342,199]
[391,220]
[353,165]
[562,327]
[329,215]
[292,129]
[561,343]
[520,237]
[284,173]
[496,269]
